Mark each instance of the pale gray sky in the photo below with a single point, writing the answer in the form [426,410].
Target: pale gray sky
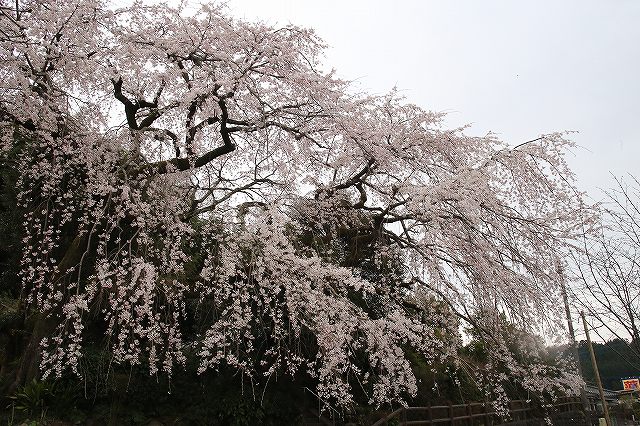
[514,67]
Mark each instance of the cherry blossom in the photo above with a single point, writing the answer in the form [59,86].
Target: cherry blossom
[177,165]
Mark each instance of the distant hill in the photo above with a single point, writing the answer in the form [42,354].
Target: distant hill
[616,359]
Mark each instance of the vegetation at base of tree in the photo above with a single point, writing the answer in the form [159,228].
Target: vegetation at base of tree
[111,394]
[134,398]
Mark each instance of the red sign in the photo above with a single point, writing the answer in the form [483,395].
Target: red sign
[630,384]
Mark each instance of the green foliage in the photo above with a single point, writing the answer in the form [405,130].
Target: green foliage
[33,398]
[38,399]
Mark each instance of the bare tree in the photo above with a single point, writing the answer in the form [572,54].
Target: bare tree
[608,269]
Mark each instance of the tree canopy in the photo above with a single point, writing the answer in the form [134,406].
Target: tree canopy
[191,184]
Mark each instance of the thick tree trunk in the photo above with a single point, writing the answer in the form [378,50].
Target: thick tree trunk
[29,365]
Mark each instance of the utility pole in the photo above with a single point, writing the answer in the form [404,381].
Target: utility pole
[605,409]
[574,345]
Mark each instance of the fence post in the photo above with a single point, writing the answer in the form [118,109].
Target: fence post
[451,414]
[488,414]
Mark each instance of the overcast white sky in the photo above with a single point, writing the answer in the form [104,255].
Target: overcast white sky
[516,68]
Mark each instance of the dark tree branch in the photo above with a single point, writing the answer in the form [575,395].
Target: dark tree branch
[129,108]
[182,164]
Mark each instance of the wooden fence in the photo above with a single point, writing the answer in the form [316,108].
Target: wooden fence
[476,413]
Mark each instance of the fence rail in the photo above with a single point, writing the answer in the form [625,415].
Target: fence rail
[475,413]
